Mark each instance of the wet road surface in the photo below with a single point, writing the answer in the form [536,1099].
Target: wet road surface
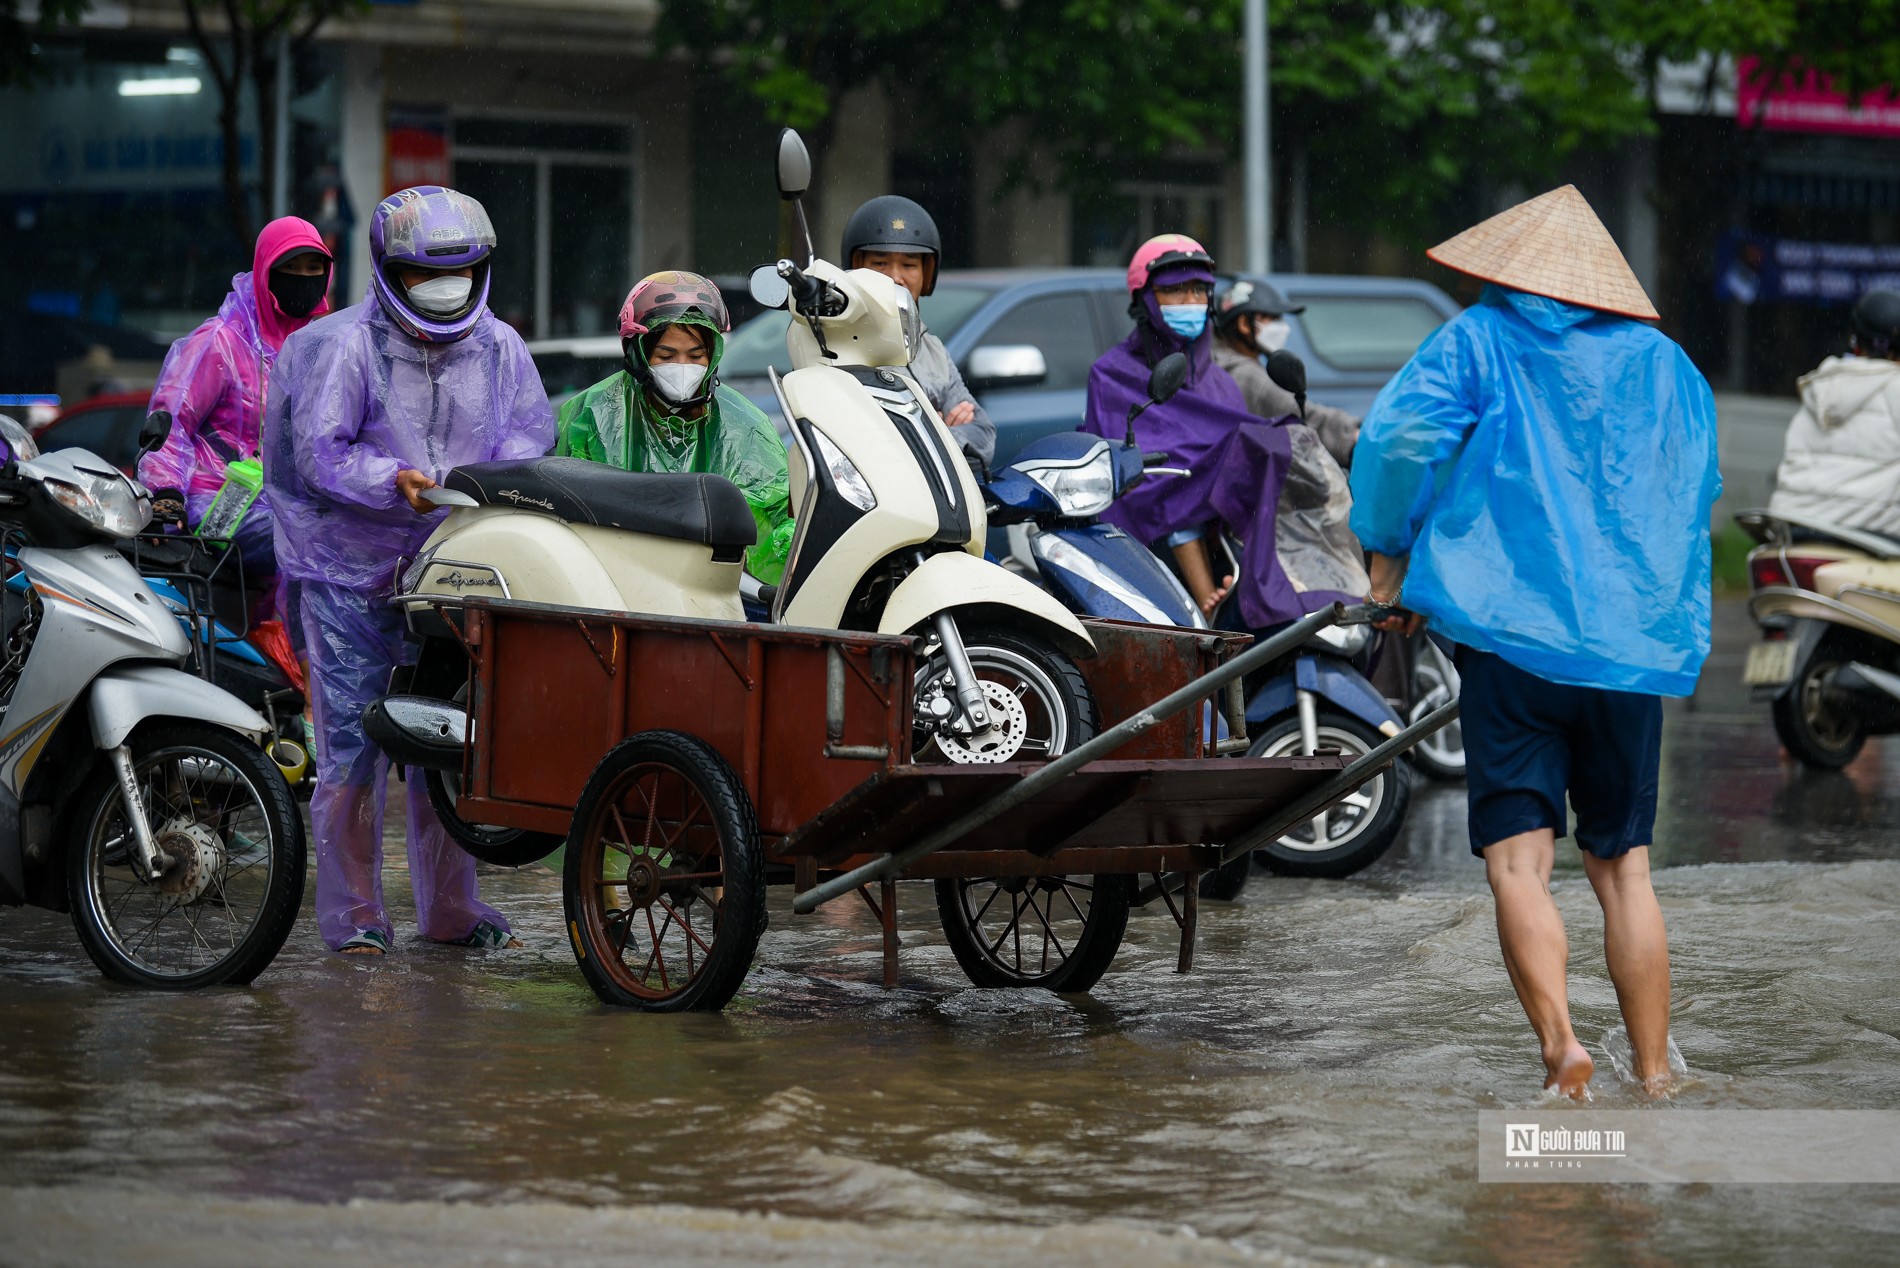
[1310,1092]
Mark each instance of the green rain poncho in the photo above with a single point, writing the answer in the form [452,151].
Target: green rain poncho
[613,422]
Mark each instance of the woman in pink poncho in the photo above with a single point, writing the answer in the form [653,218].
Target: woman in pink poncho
[214,379]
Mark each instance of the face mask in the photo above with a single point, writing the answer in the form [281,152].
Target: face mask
[1186,320]
[298,294]
[441,295]
[1270,336]
[678,380]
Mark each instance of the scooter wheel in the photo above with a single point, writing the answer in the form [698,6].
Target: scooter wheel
[488,843]
[233,849]
[1357,830]
[1814,728]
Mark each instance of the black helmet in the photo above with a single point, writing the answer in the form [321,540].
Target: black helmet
[890,222]
[1877,324]
[1249,295]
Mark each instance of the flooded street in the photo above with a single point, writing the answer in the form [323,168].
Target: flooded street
[1310,1091]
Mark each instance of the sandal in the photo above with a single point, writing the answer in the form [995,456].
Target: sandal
[366,942]
[488,937]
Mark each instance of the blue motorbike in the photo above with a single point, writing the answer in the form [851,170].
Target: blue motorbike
[1047,503]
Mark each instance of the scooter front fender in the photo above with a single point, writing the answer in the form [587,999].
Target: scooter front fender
[126,695]
[956,580]
[1338,684]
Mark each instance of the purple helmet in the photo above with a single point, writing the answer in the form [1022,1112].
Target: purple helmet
[429,227]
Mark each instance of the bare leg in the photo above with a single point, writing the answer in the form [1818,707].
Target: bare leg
[1636,948]
[1536,953]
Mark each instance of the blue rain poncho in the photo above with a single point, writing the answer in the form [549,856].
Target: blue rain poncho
[1551,470]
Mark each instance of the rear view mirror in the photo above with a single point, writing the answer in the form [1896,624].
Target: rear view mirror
[1287,370]
[768,289]
[158,425]
[1006,365]
[794,164]
[1167,377]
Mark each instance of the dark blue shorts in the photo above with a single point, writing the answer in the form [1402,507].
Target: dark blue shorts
[1529,741]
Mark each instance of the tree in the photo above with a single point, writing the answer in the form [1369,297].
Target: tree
[1404,105]
[248,51]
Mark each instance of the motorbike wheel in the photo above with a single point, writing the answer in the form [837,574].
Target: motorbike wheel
[1059,933]
[1225,883]
[229,895]
[487,842]
[1040,704]
[1440,755]
[1357,830]
[1821,735]
[664,835]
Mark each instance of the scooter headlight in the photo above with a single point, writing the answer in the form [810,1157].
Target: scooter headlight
[845,476]
[108,504]
[912,322]
[1080,489]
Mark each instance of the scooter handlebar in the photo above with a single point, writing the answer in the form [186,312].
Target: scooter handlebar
[807,291]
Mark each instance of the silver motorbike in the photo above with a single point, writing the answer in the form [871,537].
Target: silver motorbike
[132,794]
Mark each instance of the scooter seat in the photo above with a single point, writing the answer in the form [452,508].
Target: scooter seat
[695,508]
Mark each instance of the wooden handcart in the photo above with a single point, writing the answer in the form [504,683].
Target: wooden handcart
[689,764]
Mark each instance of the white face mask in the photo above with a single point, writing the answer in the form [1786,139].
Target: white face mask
[678,380]
[441,295]
[1270,336]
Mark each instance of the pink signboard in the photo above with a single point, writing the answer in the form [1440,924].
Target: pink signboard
[1805,101]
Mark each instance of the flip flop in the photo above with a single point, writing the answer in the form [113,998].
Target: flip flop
[374,940]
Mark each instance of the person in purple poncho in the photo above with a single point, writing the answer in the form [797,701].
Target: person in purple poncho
[1239,463]
[368,408]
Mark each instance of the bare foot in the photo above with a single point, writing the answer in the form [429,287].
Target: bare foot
[1570,1071]
[362,950]
[1659,1087]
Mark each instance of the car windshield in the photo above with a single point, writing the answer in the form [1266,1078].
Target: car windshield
[761,342]
[565,373]
[1367,332]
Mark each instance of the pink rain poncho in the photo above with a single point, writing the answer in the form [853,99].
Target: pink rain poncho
[353,402]
[213,385]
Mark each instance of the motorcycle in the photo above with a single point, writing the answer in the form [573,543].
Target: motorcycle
[151,813]
[1319,702]
[1434,682]
[889,538]
[1827,600]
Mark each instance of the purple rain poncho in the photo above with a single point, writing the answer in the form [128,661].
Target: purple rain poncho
[353,402]
[1240,463]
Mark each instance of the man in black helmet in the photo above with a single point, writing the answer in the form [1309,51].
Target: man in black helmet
[1249,323]
[1841,464]
[896,237]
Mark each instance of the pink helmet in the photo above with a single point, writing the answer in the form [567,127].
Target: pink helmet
[1167,251]
[662,298]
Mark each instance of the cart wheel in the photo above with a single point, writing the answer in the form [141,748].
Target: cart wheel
[665,880]
[1056,932]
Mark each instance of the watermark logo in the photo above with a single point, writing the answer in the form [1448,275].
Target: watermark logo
[1531,1144]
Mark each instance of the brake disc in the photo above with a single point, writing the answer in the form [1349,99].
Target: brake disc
[1001,740]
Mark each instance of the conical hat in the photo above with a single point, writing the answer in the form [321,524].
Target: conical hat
[1553,245]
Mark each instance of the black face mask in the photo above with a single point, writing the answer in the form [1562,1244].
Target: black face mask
[298,294]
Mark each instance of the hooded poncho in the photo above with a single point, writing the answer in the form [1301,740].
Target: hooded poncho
[613,422]
[1551,470]
[1240,464]
[213,380]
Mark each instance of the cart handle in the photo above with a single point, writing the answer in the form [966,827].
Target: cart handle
[1287,640]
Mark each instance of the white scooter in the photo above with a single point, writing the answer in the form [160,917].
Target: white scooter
[131,792]
[891,522]
[890,538]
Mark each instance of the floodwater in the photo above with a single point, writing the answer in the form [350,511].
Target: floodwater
[1309,1092]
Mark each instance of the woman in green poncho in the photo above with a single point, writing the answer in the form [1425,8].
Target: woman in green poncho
[667,411]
